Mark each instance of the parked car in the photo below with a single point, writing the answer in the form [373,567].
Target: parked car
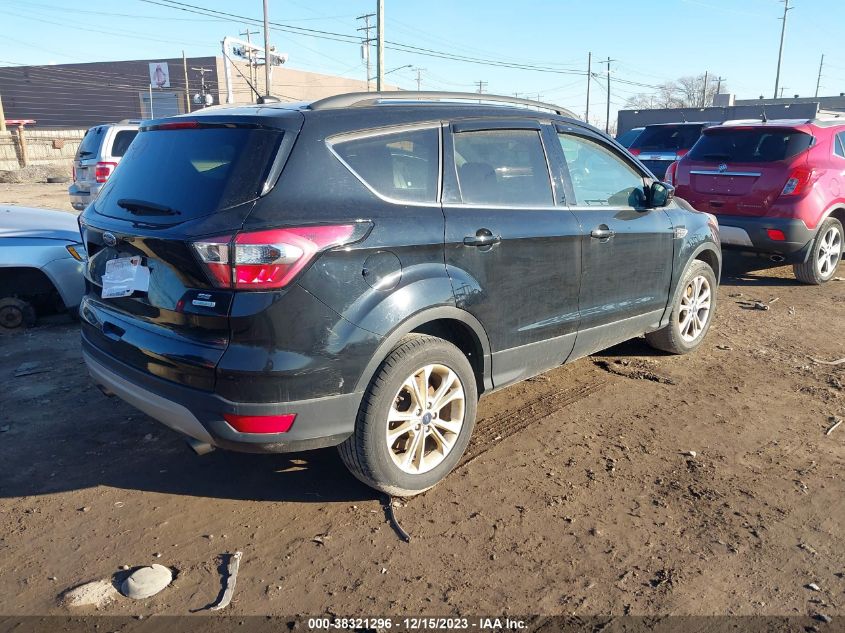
[778,188]
[40,264]
[658,146]
[356,271]
[99,153]
[627,138]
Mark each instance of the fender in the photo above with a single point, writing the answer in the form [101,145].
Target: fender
[838,206]
[410,323]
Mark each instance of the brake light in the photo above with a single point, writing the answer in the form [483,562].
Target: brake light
[260,423]
[262,260]
[776,234]
[175,125]
[670,173]
[103,170]
[799,180]
[634,152]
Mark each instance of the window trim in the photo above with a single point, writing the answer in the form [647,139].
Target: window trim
[522,125]
[839,143]
[387,131]
[626,159]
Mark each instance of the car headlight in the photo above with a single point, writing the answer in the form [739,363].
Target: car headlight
[77,251]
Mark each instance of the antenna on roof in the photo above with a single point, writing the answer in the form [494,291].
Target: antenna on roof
[764,117]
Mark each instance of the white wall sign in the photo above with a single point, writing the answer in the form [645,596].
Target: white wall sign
[159,75]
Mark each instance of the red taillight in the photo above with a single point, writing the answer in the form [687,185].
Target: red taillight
[262,260]
[634,152]
[681,153]
[260,423]
[103,170]
[175,125]
[670,173]
[799,180]
[776,234]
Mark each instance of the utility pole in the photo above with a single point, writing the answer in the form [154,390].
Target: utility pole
[380,44]
[719,81]
[365,43]
[589,80]
[187,89]
[782,89]
[607,121]
[2,117]
[481,86]
[253,69]
[203,93]
[267,54]
[704,91]
[786,8]
[819,79]
[419,77]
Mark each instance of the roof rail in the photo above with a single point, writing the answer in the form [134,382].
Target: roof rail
[360,99]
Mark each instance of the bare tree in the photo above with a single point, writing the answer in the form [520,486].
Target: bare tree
[684,92]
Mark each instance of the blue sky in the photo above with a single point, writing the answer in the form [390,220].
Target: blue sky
[651,40]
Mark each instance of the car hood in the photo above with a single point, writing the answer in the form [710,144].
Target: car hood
[41,223]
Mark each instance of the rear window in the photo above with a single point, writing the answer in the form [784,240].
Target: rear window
[750,146]
[191,172]
[121,142]
[90,145]
[667,137]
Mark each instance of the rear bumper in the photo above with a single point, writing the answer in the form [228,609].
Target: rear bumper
[320,422]
[80,198]
[750,234]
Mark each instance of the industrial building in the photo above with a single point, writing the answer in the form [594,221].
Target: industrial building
[82,95]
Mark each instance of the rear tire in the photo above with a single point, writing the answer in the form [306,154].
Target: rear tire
[825,254]
[692,312]
[415,419]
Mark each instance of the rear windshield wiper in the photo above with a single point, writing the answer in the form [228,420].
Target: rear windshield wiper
[85,153]
[141,207]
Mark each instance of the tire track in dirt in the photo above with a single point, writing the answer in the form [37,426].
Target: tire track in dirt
[491,430]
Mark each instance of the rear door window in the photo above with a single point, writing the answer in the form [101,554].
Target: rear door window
[502,167]
[121,142]
[600,177]
[91,142]
[667,138]
[403,166]
[183,174]
[839,144]
[750,145]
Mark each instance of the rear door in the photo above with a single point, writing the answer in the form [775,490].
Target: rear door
[174,185]
[627,248]
[512,248]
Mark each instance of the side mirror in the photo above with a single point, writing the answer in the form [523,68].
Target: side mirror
[661,194]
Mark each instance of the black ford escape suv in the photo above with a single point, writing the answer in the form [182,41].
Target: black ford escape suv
[358,270]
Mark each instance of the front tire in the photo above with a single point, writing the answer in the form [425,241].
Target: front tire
[415,419]
[825,255]
[692,312]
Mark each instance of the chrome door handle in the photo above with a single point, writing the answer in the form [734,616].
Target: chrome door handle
[482,237]
[602,233]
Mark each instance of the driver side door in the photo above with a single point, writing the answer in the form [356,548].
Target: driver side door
[627,247]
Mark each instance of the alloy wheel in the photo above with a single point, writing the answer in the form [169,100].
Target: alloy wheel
[694,310]
[830,252]
[425,419]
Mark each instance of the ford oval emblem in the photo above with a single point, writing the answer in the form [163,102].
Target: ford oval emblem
[723,168]
[109,239]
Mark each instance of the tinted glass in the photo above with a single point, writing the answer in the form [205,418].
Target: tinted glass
[750,146]
[402,166]
[667,137]
[194,172]
[121,142]
[840,144]
[599,177]
[90,145]
[626,138]
[502,167]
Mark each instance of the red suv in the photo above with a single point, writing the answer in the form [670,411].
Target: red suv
[777,187]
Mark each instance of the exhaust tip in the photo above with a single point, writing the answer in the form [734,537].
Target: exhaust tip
[104,391]
[200,448]
[777,258]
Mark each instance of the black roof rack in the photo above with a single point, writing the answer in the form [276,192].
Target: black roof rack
[361,99]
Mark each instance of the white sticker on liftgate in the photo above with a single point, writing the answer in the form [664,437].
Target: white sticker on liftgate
[124,276]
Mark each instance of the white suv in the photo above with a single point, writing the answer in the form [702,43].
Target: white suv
[99,153]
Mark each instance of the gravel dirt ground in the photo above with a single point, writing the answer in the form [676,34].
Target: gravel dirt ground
[579,493]
[48,196]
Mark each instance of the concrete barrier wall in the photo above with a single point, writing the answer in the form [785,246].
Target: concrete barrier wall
[42,147]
